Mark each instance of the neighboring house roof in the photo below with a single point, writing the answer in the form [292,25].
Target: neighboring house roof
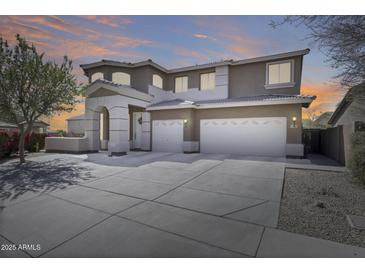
[7,125]
[75,118]
[231,62]
[40,124]
[346,102]
[322,120]
[305,100]
[37,123]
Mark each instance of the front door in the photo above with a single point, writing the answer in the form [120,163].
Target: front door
[137,130]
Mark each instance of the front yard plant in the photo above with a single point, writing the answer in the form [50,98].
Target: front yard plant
[32,86]
[357,160]
[34,142]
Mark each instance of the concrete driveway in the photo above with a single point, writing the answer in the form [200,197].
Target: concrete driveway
[143,205]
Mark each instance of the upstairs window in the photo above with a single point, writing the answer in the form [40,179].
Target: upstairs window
[121,78]
[96,76]
[207,81]
[157,81]
[279,73]
[181,84]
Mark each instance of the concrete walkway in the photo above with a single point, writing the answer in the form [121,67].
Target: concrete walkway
[150,205]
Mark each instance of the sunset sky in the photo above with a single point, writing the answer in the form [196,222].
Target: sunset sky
[172,41]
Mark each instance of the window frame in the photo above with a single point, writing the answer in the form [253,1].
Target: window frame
[153,76]
[98,72]
[200,80]
[280,85]
[122,72]
[187,83]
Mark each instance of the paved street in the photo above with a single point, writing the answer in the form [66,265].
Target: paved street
[150,205]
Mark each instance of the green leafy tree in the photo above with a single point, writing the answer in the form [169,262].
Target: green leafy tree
[31,87]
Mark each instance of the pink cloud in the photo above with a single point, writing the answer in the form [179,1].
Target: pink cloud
[236,43]
[110,20]
[191,54]
[200,36]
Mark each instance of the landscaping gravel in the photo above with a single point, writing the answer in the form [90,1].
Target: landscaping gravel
[315,203]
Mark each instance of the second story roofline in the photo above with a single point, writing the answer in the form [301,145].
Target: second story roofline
[105,62]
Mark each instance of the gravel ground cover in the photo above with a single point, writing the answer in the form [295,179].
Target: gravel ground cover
[315,203]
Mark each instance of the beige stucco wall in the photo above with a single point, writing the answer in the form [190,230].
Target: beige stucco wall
[66,144]
[141,77]
[354,112]
[75,127]
[192,129]
[250,79]
[244,80]
[193,75]
[188,114]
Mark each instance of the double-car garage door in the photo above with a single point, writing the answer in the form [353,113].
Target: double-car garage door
[247,136]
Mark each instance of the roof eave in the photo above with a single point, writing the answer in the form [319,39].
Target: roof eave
[104,62]
[305,102]
[341,108]
[118,90]
[121,64]
[272,57]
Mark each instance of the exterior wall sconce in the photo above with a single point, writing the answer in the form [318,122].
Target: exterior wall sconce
[185,122]
[294,122]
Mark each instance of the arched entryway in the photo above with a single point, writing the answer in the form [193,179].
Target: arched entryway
[104,128]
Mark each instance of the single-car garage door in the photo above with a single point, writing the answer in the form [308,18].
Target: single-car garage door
[167,135]
[249,136]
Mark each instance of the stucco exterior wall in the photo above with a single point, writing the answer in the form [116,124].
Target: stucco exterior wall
[66,144]
[354,112]
[192,128]
[347,131]
[238,80]
[193,75]
[250,79]
[141,77]
[179,114]
[75,127]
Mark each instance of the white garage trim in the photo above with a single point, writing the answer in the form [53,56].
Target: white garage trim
[168,135]
[249,136]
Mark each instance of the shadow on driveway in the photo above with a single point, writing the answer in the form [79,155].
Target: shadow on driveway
[17,180]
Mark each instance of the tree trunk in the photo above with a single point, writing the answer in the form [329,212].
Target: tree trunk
[21,143]
[22,133]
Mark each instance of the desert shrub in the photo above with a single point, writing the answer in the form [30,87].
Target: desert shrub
[357,160]
[34,142]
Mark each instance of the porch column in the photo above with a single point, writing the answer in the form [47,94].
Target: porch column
[118,130]
[146,131]
[91,124]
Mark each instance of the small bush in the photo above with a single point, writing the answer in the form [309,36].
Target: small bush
[35,142]
[4,138]
[61,133]
[8,143]
[357,160]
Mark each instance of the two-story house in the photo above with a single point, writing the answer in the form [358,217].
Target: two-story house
[251,106]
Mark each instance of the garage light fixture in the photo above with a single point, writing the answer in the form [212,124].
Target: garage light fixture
[294,122]
[185,122]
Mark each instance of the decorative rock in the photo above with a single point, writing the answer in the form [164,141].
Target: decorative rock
[357,222]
